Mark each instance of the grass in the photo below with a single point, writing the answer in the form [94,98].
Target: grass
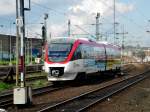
[39,83]
[6,62]
[5,86]
[33,84]
[36,74]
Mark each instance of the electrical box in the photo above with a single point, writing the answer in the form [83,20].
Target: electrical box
[20,95]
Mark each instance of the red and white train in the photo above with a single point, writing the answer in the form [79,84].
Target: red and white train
[66,58]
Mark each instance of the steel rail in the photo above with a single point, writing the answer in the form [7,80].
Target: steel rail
[30,69]
[36,92]
[86,100]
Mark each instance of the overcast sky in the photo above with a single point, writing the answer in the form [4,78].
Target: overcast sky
[132,14]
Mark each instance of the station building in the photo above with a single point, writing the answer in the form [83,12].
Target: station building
[33,47]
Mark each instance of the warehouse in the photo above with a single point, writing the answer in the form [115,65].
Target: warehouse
[8,47]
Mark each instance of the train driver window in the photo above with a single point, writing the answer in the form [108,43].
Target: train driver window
[77,54]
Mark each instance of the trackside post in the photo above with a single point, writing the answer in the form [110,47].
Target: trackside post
[21,95]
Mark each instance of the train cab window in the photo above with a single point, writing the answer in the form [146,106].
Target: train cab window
[77,54]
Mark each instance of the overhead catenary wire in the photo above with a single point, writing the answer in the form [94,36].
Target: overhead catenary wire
[125,17]
[45,7]
[84,31]
[140,12]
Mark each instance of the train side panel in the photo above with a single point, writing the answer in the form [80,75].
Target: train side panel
[113,57]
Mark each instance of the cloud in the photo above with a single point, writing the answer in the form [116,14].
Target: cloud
[105,7]
[8,7]
[81,13]
[85,11]
[57,29]
[123,8]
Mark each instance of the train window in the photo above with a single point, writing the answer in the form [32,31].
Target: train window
[99,52]
[87,51]
[58,52]
[77,54]
[113,53]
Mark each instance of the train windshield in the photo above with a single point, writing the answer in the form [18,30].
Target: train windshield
[58,52]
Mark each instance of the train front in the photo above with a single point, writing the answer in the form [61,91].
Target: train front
[57,56]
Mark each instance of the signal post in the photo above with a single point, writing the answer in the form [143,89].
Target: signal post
[22,94]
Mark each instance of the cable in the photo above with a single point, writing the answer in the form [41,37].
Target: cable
[58,12]
[84,31]
[132,21]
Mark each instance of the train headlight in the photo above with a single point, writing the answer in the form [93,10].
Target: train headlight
[55,73]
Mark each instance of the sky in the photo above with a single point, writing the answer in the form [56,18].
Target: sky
[132,17]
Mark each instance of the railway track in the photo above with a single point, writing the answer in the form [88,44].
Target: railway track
[7,98]
[36,78]
[84,101]
[29,69]
[30,79]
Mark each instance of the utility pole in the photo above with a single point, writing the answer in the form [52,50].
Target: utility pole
[10,45]
[116,37]
[23,92]
[69,26]
[114,21]
[44,34]
[10,63]
[1,43]
[122,43]
[97,27]
[45,24]
[17,42]
[31,51]
[22,40]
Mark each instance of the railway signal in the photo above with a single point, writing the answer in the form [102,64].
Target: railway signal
[69,27]
[43,35]
[22,95]
[97,26]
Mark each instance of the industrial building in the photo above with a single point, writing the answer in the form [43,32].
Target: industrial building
[8,47]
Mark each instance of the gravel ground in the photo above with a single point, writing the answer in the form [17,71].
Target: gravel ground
[133,99]
[61,95]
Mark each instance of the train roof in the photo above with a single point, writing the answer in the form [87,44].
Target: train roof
[72,40]
[68,39]
[106,43]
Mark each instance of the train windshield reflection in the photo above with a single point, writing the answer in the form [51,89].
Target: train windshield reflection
[58,52]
